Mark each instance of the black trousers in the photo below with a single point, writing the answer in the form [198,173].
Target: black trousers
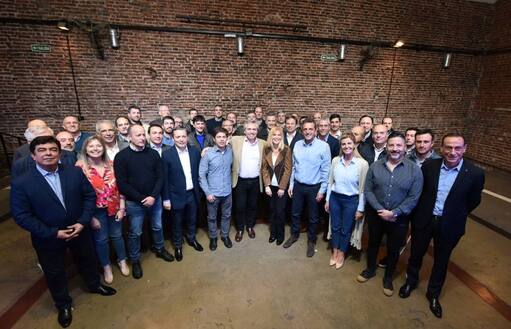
[53,263]
[396,234]
[245,196]
[277,213]
[305,196]
[442,252]
[188,215]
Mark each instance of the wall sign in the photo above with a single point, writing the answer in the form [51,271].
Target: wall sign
[40,48]
[329,58]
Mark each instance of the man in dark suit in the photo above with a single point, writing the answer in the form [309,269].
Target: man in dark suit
[216,120]
[292,135]
[452,189]
[181,192]
[325,136]
[55,203]
[371,152]
[155,133]
[367,122]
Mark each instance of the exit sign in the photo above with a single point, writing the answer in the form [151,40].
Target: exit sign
[40,48]
[329,58]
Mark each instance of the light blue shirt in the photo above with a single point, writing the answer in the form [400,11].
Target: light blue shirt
[346,181]
[53,179]
[168,140]
[445,182]
[311,164]
[215,172]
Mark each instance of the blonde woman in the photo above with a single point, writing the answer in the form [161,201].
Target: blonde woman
[276,168]
[110,205]
[345,197]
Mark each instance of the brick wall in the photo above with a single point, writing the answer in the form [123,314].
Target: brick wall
[488,130]
[200,71]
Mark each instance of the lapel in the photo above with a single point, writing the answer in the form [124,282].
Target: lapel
[41,181]
[459,179]
[436,177]
[175,155]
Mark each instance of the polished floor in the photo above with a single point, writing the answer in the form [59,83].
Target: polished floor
[258,285]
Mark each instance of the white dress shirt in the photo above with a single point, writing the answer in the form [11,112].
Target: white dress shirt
[184,158]
[250,163]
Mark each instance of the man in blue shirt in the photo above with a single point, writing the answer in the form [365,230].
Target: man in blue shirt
[452,189]
[308,184]
[215,181]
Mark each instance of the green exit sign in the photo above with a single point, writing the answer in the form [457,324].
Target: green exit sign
[329,58]
[40,48]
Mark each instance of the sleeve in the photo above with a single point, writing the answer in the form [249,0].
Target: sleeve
[475,192]
[23,215]
[293,169]
[288,164]
[369,190]
[414,193]
[325,168]
[89,200]
[265,171]
[165,194]
[331,179]
[362,181]
[203,174]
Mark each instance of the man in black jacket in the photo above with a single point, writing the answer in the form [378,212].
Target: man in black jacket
[375,150]
[452,189]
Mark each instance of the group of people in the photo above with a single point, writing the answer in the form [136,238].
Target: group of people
[73,191]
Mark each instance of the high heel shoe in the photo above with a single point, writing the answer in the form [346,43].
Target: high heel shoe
[123,266]
[107,274]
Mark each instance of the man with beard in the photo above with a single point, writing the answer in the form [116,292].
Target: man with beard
[423,151]
[67,141]
[392,189]
[168,127]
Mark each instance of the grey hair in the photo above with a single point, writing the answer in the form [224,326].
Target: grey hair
[36,131]
[100,122]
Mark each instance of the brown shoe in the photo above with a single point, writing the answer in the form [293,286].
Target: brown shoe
[239,236]
[251,233]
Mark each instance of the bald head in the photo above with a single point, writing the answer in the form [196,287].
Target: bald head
[67,141]
[36,123]
[358,132]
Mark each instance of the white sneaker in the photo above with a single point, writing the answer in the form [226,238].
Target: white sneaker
[108,275]
[125,270]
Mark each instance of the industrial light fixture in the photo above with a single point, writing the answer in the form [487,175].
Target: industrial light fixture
[398,44]
[114,37]
[447,60]
[342,52]
[62,25]
[240,45]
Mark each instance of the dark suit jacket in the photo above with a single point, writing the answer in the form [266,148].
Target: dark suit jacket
[464,196]
[366,150]
[21,152]
[212,124]
[175,181]
[23,165]
[334,144]
[36,208]
[298,137]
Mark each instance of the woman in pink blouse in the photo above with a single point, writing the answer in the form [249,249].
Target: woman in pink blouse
[110,205]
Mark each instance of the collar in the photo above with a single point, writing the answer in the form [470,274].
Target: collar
[379,149]
[45,172]
[154,146]
[251,144]
[217,149]
[309,144]
[457,168]
[183,151]
[134,148]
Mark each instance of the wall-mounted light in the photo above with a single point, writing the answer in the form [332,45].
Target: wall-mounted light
[240,45]
[398,44]
[62,25]
[114,37]
[447,60]
[342,52]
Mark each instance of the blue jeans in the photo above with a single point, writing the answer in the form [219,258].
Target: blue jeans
[137,212]
[342,218]
[109,229]
[225,204]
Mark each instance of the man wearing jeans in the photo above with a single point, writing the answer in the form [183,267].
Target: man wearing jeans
[309,179]
[215,181]
[139,174]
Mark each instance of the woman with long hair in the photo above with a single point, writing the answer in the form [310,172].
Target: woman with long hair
[276,168]
[345,196]
[110,205]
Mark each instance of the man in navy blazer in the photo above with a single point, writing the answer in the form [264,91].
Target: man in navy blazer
[55,203]
[452,189]
[181,193]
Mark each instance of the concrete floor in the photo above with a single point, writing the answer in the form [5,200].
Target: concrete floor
[257,285]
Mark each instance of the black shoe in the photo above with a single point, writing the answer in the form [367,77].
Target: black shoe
[103,290]
[434,306]
[212,244]
[251,233]
[196,245]
[388,287]
[65,317]
[356,254]
[279,242]
[227,242]
[164,254]
[178,252]
[311,248]
[383,262]
[365,275]
[136,270]
[272,239]
[292,239]
[406,290]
